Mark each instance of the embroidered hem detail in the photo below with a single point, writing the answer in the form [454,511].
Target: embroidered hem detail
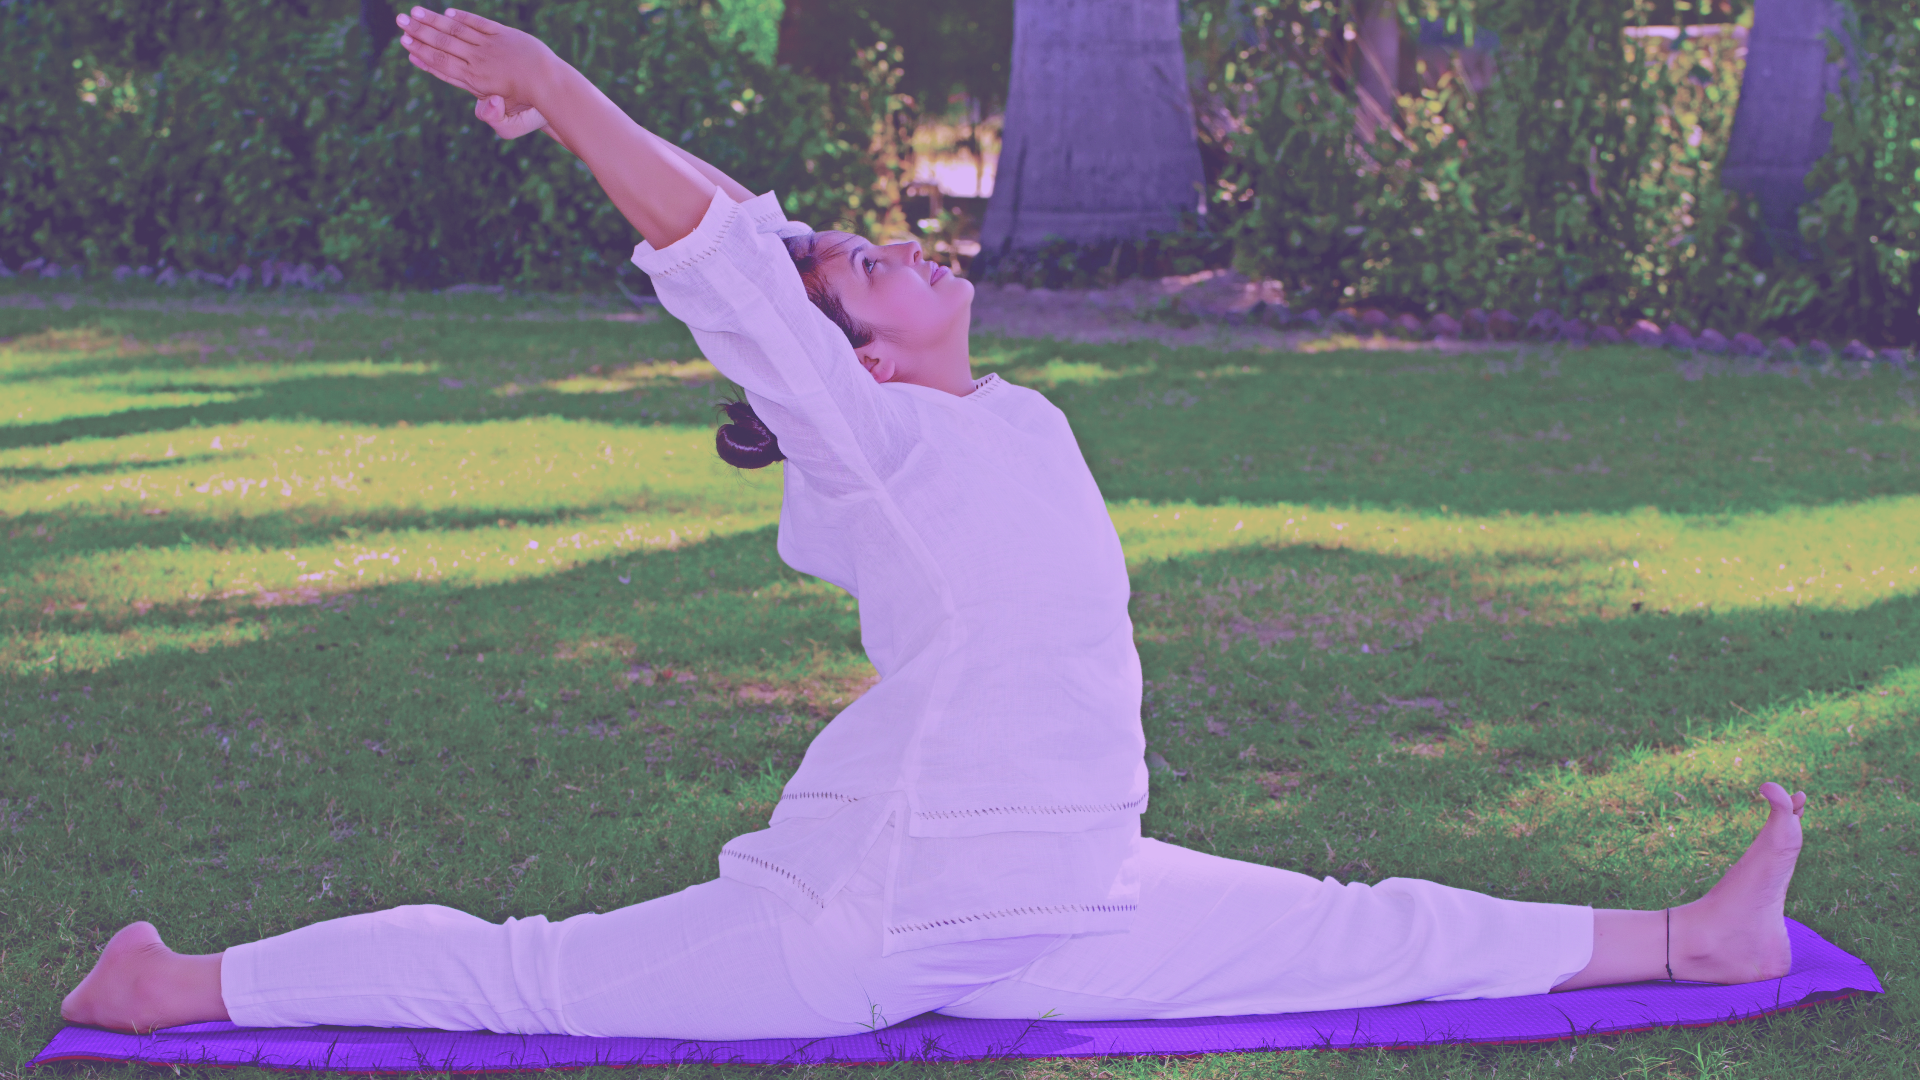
[1056,909]
[819,795]
[1066,808]
[708,245]
[983,386]
[782,871]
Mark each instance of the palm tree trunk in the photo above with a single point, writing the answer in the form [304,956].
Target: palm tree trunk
[1099,140]
[1376,68]
[1778,127]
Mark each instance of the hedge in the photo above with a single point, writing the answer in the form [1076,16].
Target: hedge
[1583,179]
[202,134]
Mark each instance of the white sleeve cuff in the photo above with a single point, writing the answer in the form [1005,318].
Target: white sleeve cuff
[766,215]
[762,210]
[694,247]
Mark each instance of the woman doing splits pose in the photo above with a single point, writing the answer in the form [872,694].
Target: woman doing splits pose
[966,836]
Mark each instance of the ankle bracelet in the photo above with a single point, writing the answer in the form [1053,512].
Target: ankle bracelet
[1670,977]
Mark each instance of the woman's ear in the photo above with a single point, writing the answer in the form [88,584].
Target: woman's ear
[881,368]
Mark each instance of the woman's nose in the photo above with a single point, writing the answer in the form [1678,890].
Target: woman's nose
[909,250]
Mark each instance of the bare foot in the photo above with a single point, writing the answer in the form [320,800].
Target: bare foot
[1737,932]
[139,985]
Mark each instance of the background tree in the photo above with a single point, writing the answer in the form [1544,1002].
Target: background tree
[200,135]
[1780,128]
[1099,139]
[948,47]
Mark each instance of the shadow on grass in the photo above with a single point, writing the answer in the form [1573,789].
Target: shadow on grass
[710,575]
[1600,431]
[383,401]
[452,710]
[80,534]
[365,754]
[1583,686]
[1580,686]
[30,473]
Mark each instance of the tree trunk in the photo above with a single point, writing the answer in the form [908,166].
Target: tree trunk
[1376,68]
[1099,140]
[1778,127]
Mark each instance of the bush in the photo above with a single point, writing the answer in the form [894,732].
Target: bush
[1581,179]
[210,133]
[1861,274]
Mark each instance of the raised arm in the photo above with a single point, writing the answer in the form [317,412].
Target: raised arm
[715,254]
[493,110]
[662,190]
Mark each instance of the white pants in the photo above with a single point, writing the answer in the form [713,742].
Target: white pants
[723,960]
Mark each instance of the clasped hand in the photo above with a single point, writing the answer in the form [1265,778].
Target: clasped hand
[500,66]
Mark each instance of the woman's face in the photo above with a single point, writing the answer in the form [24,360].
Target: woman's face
[918,310]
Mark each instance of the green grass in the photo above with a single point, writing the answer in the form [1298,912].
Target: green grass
[315,607]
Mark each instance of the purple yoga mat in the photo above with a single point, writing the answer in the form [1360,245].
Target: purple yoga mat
[1821,972]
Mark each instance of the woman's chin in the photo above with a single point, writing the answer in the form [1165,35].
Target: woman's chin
[963,289]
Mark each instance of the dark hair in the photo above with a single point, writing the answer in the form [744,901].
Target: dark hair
[746,443]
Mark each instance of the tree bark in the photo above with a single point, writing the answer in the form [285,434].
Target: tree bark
[1099,140]
[1376,68]
[1779,128]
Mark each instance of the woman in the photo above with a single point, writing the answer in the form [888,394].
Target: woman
[965,837]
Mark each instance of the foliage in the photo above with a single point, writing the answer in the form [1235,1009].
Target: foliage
[1581,179]
[758,21]
[205,134]
[1385,612]
[1584,178]
[1862,274]
[949,47]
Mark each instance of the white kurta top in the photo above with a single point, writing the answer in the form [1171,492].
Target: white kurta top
[1003,740]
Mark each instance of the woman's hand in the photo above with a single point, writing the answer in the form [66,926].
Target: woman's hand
[503,118]
[480,56]
[662,190]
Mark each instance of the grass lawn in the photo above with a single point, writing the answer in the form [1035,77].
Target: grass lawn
[316,607]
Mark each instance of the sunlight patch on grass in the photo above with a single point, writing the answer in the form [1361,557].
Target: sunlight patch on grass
[47,401]
[1516,567]
[1690,810]
[617,489]
[227,706]
[809,690]
[51,398]
[1059,372]
[1792,743]
[624,380]
[1844,556]
[119,585]
[1364,612]
[251,470]
[1341,342]
[96,649]
[32,354]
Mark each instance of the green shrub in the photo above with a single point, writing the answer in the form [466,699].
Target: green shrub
[1862,274]
[1582,179]
[210,133]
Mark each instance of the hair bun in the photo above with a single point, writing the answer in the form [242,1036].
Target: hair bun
[746,443]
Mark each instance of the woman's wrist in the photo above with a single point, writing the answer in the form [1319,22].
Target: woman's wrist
[555,85]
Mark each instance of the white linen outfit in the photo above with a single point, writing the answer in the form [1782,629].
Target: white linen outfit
[965,836]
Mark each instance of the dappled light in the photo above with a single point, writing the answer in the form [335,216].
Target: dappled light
[626,379]
[1534,623]
[1507,416]
[1589,564]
